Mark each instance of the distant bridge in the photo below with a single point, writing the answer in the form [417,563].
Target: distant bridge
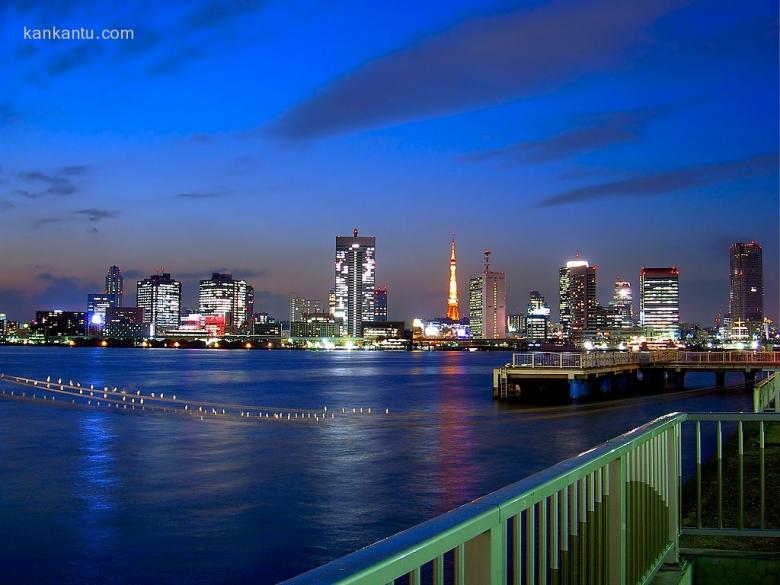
[587,373]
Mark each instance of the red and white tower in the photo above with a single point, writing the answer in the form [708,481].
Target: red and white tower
[453,311]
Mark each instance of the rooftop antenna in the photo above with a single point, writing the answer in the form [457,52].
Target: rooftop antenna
[355,232]
[487,260]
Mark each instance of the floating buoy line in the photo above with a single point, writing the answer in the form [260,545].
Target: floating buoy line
[73,394]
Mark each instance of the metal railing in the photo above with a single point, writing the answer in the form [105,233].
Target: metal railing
[609,515]
[766,394]
[582,360]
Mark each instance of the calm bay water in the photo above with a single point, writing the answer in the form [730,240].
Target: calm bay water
[88,497]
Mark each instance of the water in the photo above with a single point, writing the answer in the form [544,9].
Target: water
[94,497]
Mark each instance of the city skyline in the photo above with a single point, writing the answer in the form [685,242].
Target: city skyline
[663,135]
[606,291]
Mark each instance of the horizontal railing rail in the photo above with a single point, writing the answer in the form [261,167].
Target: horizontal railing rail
[582,360]
[609,515]
[766,394]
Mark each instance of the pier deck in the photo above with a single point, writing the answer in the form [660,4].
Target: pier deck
[576,375]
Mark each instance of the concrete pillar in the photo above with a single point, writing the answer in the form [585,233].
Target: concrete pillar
[720,379]
[579,389]
[750,380]
[679,379]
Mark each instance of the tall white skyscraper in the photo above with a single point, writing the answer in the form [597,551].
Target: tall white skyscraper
[487,303]
[223,295]
[160,298]
[355,278]
[659,302]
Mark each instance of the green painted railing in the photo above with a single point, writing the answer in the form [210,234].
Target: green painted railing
[766,394]
[609,515]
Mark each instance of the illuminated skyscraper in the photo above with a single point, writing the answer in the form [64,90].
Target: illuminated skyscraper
[453,309]
[537,317]
[115,285]
[300,307]
[380,304]
[160,298]
[97,307]
[355,277]
[622,304]
[222,295]
[746,283]
[487,303]
[577,297]
[659,302]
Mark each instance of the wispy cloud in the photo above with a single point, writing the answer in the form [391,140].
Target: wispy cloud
[665,182]
[95,215]
[590,132]
[62,181]
[44,221]
[478,62]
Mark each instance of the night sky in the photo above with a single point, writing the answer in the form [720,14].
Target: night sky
[242,136]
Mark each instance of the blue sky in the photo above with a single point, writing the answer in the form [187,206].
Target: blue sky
[242,136]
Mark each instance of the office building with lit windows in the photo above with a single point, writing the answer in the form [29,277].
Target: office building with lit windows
[115,285]
[537,317]
[54,324]
[746,284]
[97,307]
[622,305]
[301,307]
[223,296]
[380,303]
[659,303]
[487,303]
[160,298]
[355,269]
[577,304]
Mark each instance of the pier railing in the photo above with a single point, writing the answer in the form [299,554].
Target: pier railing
[583,360]
[766,394]
[609,515]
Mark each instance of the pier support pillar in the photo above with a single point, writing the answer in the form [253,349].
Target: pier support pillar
[750,380]
[579,389]
[679,380]
[720,379]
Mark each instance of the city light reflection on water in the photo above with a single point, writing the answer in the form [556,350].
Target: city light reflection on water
[163,500]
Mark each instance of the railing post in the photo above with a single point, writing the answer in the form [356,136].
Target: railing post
[673,490]
[617,522]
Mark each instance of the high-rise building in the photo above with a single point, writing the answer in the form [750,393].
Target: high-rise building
[97,307]
[453,305]
[301,307]
[332,301]
[659,302]
[380,303]
[222,295]
[115,285]
[746,283]
[355,277]
[537,317]
[622,305]
[487,303]
[577,297]
[160,298]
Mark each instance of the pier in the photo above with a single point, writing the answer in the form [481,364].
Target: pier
[580,375]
